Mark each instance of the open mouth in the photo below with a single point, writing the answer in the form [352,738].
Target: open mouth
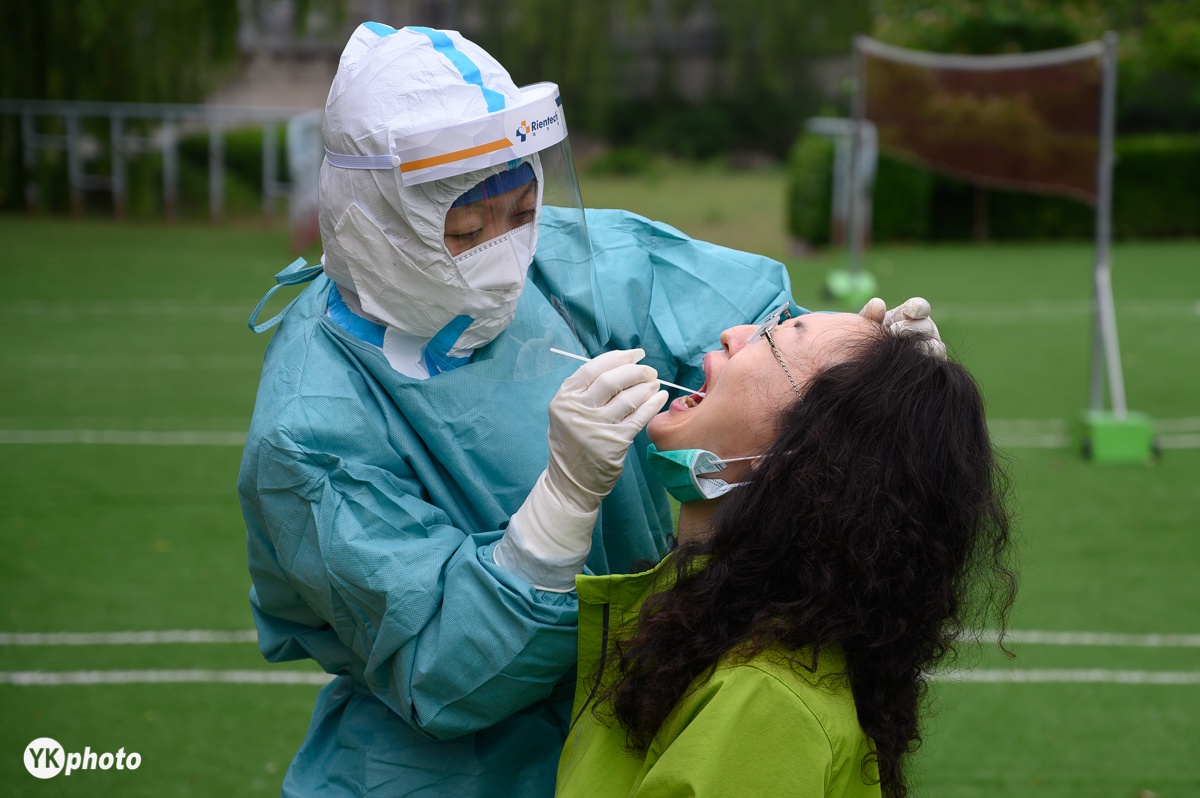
[695,399]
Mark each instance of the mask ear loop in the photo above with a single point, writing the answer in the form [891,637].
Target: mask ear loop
[724,461]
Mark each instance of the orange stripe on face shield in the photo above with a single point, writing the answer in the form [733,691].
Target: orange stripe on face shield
[470,152]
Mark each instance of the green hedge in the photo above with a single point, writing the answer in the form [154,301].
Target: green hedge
[902,211]
[144,175]
[1157,186]
[243,154]
[1154,195]
[810,187]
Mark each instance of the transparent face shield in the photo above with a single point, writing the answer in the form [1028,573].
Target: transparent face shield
[509,190]
[504,204]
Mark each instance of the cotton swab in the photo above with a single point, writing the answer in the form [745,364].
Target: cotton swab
[588,360]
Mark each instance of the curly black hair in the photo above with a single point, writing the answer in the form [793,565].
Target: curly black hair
[878,522]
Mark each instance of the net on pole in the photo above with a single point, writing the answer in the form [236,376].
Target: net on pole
[1025,122]
[1038,122]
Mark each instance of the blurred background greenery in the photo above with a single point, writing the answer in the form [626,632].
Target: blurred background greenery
[697,80]
[760,54]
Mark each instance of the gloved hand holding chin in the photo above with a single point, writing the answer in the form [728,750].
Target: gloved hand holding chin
[594,418]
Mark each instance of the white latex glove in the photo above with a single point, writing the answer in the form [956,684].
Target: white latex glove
[912,316]
[594,418]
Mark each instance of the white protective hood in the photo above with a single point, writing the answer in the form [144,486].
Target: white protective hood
[384,239]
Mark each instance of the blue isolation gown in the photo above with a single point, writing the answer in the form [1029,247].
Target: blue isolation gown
[373,501]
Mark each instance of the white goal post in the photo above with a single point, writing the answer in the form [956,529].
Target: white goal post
[944,74]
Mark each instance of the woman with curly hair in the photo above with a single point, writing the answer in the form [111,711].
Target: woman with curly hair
[856,529]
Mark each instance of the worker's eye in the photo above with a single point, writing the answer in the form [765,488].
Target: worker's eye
[465,223]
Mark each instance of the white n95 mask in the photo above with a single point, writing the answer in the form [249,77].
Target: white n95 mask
[500,265]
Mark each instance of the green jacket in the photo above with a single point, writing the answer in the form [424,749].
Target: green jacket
[755,728]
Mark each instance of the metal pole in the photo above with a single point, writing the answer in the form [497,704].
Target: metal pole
[1112,352]
[269,157]
[1106,313]
[216,169]
[170,152]
[29,141]
[117,133]
[854,222]
[841,195]
[1096,388]
[74,165]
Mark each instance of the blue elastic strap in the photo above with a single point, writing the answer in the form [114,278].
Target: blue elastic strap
[497,184]
[379,29]
[351,322]
[465,66]
[437,358]
[294,274]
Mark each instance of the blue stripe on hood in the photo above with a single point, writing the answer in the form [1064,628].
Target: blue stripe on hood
[465,66]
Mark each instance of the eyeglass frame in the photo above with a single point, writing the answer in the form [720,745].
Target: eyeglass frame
[764,330]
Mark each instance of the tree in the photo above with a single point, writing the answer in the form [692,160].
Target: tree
[1159,45]
[116,50]
[986,28]
[619,64]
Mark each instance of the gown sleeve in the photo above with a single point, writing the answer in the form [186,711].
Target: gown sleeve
[354,568]
[673,295]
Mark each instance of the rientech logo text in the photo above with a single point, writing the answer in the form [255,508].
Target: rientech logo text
[45,759]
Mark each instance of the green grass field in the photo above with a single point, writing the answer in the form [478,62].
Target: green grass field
[129,376]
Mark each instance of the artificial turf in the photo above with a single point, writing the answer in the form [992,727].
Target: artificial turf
[141,328]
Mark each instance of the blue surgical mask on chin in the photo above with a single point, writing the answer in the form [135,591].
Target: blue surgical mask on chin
[679,471]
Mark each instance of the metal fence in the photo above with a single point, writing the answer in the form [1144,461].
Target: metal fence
[159,133]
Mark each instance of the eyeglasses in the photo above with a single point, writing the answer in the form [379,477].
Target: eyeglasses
[764,330]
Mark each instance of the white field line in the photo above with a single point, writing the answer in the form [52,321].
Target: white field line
[1048,310]
[1054,433]
[126,638]
[59,678]
[1065,675]
[1179,441]
[1026,637]
[1180,433]
[1064,310]
[1035,676]
[174,636]
[164,423]
[1174,425]
[1043,311]
[121,437]
[1027,425]
[1114,639]
[133,362]
[60,309]
[1046,440]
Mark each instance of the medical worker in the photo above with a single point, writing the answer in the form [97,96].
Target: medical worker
[424,476]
